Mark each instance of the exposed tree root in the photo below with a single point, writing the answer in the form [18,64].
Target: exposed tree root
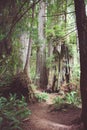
[21,85]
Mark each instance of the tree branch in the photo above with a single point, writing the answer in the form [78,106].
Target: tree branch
[17,20]
[59,14]
[14,19]
[69,33]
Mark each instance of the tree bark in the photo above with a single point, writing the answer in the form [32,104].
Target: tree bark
[49,69]
[82,35]
[24,41]
[26,67]
[41,55]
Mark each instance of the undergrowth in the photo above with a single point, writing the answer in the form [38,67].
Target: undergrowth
[12,112]
[71,98]
[41,96]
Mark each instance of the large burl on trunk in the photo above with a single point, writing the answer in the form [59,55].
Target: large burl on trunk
[21,85]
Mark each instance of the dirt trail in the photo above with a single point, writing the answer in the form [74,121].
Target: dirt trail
[43,119]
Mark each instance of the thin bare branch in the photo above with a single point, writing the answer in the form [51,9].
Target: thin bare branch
[69,33]
[22,6]
[59,14]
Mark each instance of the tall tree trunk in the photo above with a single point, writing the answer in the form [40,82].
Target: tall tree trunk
[24,41]
[38,60]
[67,72]
[82,35]
[26,67]
[49,70]
[41,55]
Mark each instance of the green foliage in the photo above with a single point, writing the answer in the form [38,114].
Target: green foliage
[55,32]
[2,36]
[58,101]
[12,112]
[49,61]
[41,96]
[9,65]
[86,2]
[73,98]
[50,32]
[33,63]
[39,42]
[73,38]
[71,44]
[33,86]
[76,74]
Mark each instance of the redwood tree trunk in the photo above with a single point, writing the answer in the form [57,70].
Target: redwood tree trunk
[41,54]
[82,35]
[27,63]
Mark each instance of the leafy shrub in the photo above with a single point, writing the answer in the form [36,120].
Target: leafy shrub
[70,99]
[58,101]
[12,112]
[73,98]
[33,86]
[42,97]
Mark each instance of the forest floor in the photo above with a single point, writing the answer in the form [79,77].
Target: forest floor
[44,117]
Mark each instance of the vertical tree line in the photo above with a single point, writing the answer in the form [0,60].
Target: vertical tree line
[81,21]
[41,50]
